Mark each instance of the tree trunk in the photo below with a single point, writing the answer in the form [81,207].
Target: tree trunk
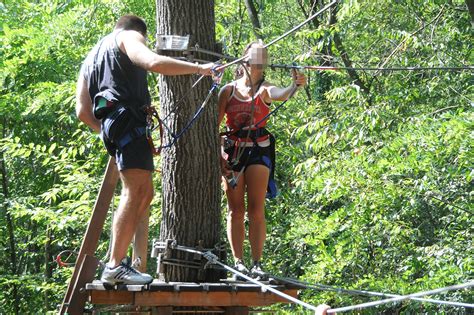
[470,7]
[190,168]
[48,268]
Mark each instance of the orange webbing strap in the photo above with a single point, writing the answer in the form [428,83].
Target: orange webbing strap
[152,114]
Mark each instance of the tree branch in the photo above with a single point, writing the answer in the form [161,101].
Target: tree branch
[253,15]
[470,7]
[345,57]
[406,38]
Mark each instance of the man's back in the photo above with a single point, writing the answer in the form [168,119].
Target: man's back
[110,74]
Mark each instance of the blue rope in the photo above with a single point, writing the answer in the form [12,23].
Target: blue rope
[192,121]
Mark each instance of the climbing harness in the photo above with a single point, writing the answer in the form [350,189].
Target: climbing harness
[231,179]
[152,117]
[253,132]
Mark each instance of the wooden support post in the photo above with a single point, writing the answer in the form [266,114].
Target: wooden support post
[91,238]
[140,242]
[86,274]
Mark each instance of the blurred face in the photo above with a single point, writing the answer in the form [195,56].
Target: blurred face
[258,56]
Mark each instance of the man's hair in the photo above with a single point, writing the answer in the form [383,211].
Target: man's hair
[131,22]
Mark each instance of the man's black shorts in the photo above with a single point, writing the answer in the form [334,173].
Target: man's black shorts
[136,153]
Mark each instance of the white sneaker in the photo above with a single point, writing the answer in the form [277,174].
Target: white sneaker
[239,266]
[257,272]
[124,274]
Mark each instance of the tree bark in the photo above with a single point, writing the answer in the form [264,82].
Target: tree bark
[253,15]
[470,7]
[48,268]
[190,168]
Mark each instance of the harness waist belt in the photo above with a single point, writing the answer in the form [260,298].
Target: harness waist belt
[130,136]
[251,134]
[250,143]
[249,139]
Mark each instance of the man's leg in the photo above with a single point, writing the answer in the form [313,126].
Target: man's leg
[137,193]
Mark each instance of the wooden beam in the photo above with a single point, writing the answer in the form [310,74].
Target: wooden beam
[86,274]
[186,298]
[111,297]
[162,310]
[94,229]
[237,310]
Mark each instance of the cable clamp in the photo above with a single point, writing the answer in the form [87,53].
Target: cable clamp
[212,258]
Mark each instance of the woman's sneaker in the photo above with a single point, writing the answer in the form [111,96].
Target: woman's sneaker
[124,273]
[240,267]
[257,272]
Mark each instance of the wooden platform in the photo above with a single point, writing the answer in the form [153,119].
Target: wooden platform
[230,296]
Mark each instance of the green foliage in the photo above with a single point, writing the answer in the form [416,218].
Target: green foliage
[376,183]
[53,164]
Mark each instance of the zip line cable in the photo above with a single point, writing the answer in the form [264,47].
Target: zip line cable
[322,68]
[403,297]
[297,27]
[284,35]
[323,287]
[212,259]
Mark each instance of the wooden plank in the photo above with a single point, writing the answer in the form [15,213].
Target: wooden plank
[94,229]
[236,310]
[162,310]
[148,298]
[86,274]
[111,297]
[98,285]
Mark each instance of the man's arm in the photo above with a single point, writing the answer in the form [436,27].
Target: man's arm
[132,43]
[84,108]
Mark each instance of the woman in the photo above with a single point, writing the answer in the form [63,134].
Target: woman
[248,152]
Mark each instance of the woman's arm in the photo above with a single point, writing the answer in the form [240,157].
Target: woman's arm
[282,94]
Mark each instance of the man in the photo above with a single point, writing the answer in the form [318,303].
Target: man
[111,92]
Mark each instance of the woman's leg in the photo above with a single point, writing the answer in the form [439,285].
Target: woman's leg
[235,217]
[256,179]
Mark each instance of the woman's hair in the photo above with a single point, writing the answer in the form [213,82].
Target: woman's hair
[131,22]
[240,71]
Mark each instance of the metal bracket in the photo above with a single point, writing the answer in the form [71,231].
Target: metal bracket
[172,42]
